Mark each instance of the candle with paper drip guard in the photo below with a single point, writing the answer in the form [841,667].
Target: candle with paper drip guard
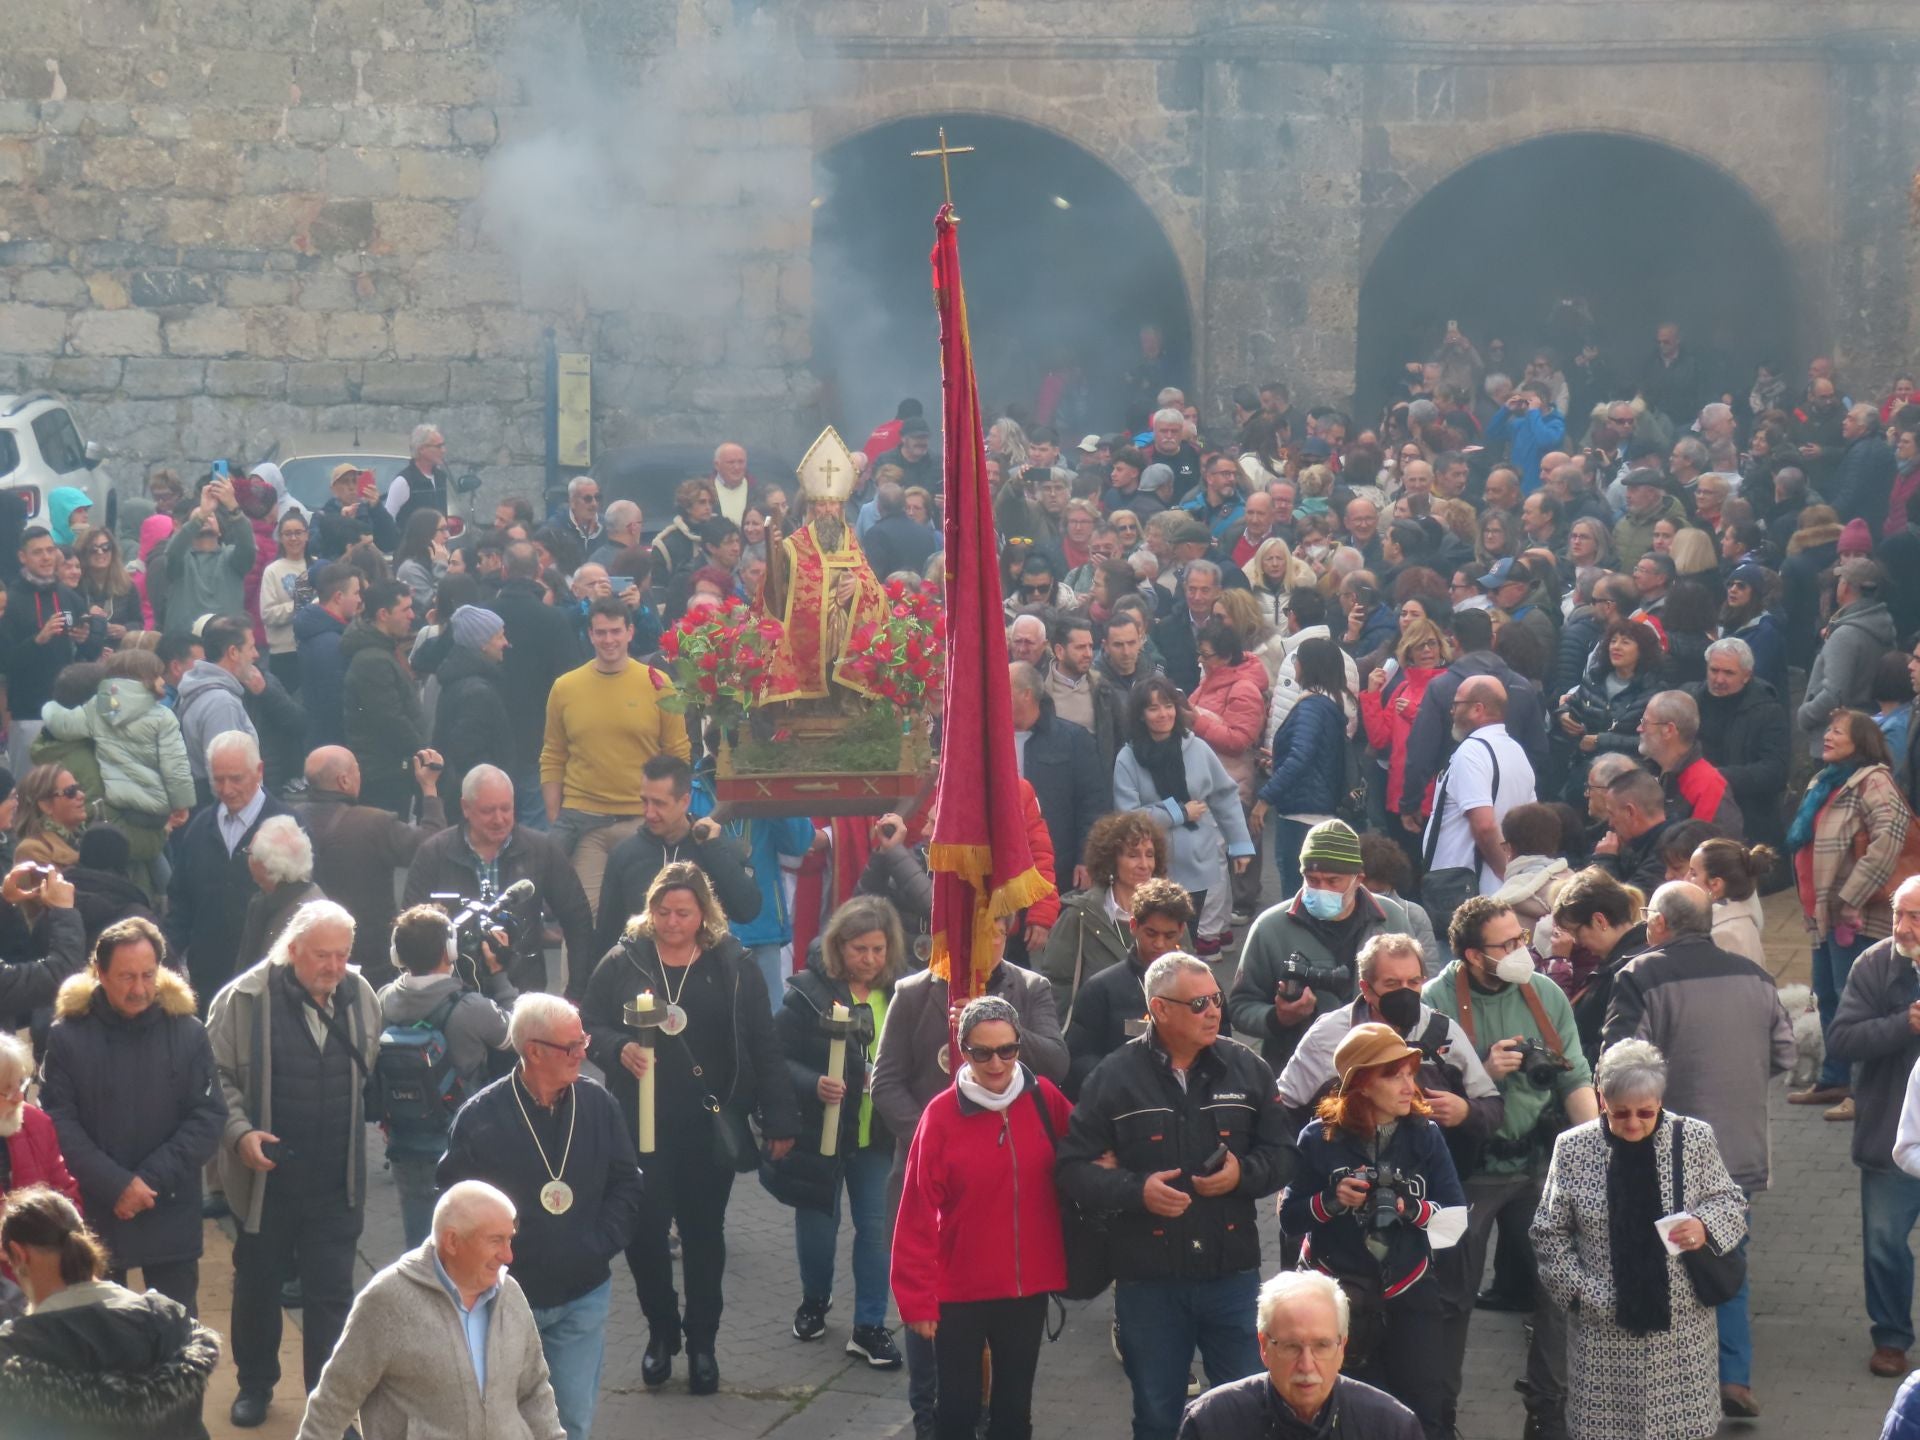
[838,1023]
[645,1018]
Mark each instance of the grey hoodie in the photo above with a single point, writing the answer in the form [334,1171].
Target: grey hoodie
[1842,674]
[211,702]
[475,1027]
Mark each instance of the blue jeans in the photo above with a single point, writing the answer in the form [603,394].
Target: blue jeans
[573,1337]
[816,1232]
[1831,962]
[529,803]
[1161,1321]
[1889,1209]
[767,957]
[1736,1325]
[413,1177]
[1288,837]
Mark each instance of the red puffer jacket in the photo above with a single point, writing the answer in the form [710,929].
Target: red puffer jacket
[34,1153]
[1389,717]
[979,1217]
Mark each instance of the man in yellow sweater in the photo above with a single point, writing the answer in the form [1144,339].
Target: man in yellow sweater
[604,721]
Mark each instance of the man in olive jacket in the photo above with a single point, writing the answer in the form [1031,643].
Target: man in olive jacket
[1183,1244]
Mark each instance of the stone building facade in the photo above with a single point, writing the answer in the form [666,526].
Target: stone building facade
[227,224]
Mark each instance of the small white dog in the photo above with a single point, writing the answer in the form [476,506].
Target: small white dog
[1804,1013]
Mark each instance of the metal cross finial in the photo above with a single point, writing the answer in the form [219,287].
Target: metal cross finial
[945,150]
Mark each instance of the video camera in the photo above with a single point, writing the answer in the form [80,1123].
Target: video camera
[1387,1185]
[512,913]
[1297,973]
[1540,1065]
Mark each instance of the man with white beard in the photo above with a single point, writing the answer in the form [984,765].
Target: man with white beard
[1876,1029]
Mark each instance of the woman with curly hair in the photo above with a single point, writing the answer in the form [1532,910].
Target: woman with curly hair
[1124,851]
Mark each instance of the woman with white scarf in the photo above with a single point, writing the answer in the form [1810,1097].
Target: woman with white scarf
[977,1244]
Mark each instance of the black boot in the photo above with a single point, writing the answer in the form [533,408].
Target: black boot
[656,1366]
[703,1372]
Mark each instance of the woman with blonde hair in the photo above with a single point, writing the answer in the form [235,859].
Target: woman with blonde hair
[718,1061]
[1259,636]
[1692,553]
[1391,701]
[1272,572]
[53,813]
[860,956]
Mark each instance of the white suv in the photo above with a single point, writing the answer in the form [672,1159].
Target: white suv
[41,450]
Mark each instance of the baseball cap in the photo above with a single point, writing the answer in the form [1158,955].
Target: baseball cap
[1501,572]
[1088,444]
[1367,1045]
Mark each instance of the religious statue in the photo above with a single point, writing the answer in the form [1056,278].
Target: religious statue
[819,584]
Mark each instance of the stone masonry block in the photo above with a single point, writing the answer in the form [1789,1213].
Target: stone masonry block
[475,125]
[51,287]
[404,383]
[351,335]
[489,380]
[116,332]
[320,383]
[403,125]
[341,225]
[241,291]
[246,377]
[214,330]
[419,334]
[162,379]
[77,375]
[19,117]
[314,124]
[158,288]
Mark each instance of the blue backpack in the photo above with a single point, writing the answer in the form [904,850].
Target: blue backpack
[415,1085]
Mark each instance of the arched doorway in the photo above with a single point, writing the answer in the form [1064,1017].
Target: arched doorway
[1638,231]
[1064,265]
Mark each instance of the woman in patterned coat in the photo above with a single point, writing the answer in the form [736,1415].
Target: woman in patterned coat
[1642,1352]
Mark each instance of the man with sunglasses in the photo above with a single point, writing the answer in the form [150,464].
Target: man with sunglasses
[557,1145]
[1195,1136]
[1495,993]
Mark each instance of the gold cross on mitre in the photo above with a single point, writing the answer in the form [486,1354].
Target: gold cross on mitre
[946,173]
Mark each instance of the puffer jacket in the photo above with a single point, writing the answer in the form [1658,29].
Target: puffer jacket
[137,742]
[106,1364]
[135,1098]
[1577,638]
[1309,759]
[1229,712]
[1623,710]
[379,706]
[317,636]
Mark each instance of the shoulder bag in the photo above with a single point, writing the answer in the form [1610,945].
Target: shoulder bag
[1715,1278]
[1083,1233]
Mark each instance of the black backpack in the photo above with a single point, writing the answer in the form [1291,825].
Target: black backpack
[416,1089]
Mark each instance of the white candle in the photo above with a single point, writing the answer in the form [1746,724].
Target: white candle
[643,1002]
[836,1070]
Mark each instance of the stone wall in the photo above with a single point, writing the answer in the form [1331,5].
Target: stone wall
[226,223]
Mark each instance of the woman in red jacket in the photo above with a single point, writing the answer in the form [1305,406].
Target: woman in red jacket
[29,1147]
[976,1246]
[1390,702]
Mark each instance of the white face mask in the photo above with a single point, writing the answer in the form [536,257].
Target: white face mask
[1515,968]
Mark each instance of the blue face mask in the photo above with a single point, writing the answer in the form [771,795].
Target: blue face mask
[1322,904]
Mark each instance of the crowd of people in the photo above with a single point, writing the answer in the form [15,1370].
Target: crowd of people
[358,817]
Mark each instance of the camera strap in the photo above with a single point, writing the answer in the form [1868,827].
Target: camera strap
[1463,997]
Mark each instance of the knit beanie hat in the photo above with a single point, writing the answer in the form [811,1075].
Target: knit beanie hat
[983,1008]
[1332,846]
[473,627]
[1856,539]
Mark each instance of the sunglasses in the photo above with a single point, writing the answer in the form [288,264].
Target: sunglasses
[105,548]
[71,792]
[1653,1114]
[980,1054]
[1199,1004]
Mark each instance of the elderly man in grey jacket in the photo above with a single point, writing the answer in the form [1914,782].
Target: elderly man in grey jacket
[441,1345]
[1718,1019]
[912,1067]
[293,1038]
[1860,632]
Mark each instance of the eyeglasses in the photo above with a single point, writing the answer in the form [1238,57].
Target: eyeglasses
[1294,1349]
[1497,948]
[1199,1004]
[1616,1112]
[980,1054]
[576,1051]
[588,499]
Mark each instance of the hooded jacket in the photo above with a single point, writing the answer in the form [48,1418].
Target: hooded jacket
[1842,674]
[138,743]
[317,635]
[98,1362]
[379,707]
[1230,714]
[212,702]
[1530,884]
[402,1366]
[476,1027]
[135,1097]
[61,504]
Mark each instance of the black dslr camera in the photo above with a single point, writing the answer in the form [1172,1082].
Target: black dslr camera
[1387,1186]
[1540,1065]
[1297,973]
[512,913]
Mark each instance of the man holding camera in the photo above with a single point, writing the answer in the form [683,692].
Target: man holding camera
[1177,1135]
[432,996]
[480,858]
[1717,1016]
[1522,1028]
[1301,957]
[43,630]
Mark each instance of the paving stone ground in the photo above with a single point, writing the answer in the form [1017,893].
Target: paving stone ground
[1809,1327]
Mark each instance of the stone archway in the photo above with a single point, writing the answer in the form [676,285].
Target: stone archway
[1639,230]
[1064,261]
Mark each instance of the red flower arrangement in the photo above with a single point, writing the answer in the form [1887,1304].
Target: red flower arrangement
[720,658]
[903,657]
